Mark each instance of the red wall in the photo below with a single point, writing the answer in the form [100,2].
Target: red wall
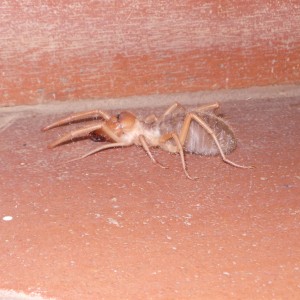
[82,49]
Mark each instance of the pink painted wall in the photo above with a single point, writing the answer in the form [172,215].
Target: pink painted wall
[83,49]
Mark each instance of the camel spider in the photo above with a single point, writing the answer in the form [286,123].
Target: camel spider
[177,130]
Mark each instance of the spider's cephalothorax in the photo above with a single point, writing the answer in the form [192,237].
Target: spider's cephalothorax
[177,130]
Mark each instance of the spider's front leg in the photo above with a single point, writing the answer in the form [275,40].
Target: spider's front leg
[103,147]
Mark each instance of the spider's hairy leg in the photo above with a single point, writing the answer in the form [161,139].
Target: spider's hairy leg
[146,148]
[107,146]
[179,149]
[171,109]
[203,124]
[202,108]
[78,117]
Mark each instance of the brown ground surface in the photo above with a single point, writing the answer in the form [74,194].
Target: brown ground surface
[115,226]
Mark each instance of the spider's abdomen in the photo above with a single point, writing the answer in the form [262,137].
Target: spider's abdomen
[198,140]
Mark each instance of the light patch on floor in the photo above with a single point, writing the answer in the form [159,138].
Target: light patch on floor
[12,295]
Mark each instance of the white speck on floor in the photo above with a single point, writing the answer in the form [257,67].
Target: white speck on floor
[113,222]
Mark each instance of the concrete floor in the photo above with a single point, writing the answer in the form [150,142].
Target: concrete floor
[115,226]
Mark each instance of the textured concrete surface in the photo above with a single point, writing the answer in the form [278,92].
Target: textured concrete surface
[115,226]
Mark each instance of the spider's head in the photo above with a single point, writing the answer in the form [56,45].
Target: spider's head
[122,122]
[119,124]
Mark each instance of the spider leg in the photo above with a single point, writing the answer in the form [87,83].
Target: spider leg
[103,147]
[154,119]
[202,108]
[179,149]
[78,117]
[171,109]
[146,148]
[177,105]
[184,133]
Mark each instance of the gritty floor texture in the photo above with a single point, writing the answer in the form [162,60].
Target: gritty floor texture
[116,226]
